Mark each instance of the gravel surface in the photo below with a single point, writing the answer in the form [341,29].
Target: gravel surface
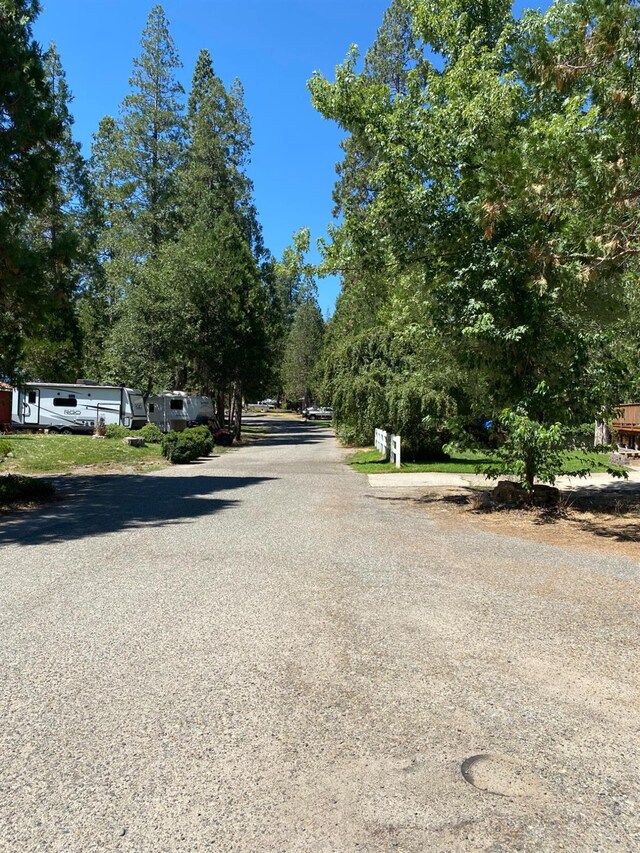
[260,653]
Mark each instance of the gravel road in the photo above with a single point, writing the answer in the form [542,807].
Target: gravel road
[258,653]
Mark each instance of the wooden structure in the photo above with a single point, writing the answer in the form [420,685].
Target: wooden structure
[626,427]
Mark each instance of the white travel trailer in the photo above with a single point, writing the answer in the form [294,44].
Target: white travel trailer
[176,410]
[75,408]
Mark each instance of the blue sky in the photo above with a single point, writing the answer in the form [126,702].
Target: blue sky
[273,46]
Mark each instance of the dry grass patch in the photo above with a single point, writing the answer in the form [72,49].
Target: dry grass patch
[588,520]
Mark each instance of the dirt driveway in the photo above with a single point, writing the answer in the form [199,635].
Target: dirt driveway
[259,653]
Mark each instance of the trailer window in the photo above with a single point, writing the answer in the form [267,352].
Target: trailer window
[176,404]
[152,408]
[33,397]
[64,401]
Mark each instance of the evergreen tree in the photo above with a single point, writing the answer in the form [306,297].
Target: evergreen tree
[153,137]
[214,262]
[65,232]
[28,158]
[135,166]
[103,297]
[301,369]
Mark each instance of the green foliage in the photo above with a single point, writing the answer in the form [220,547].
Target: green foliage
[66,232]
[5,449]
[188,445]
[152,138]
[302,353]
[125,311]
[534,451]
[395,380]
[116,431]
[489,206]
[151,434]
[29,157]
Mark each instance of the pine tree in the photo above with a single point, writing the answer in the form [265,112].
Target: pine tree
[214,261]
[153,137]
[102,299]
[135,166]
[28,158]
[66,233]
[301,372]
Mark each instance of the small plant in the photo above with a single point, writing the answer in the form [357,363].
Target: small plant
[151,434]
[5,449]
[564,505]
[116,431]
[536,451]
[101,427]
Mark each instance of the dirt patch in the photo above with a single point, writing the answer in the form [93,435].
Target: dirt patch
[593,521]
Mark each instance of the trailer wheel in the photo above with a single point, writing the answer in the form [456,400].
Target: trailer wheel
[66,431]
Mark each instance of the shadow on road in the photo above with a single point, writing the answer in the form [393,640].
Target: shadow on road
[96,505]
[289,431]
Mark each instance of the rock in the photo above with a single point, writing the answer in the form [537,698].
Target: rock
[623,457]
[134,441]
[509,493]
[98,436]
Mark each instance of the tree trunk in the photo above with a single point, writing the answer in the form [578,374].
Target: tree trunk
[602,434]
[180,377]
[220,406]
[235,414]
[530,474]
[148,389]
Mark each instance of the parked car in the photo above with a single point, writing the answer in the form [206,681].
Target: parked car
[318,413]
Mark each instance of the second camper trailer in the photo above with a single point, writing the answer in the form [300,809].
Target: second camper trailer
[176,410]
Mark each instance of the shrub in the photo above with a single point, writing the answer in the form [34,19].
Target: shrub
[183,447]
[168,443]
[116,431]
[5,449]
[200,438]
[151,434]
[16,489]
[349,436]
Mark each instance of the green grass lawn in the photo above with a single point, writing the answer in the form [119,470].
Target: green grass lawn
[461,462]
[49,454]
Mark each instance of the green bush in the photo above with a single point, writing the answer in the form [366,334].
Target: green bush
[168,444]
[350,437]
[183,447]
[5,449]
[200,438]
[16,489]
[151,434]
[116,431]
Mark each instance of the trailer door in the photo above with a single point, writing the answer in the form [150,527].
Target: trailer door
[31,406]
